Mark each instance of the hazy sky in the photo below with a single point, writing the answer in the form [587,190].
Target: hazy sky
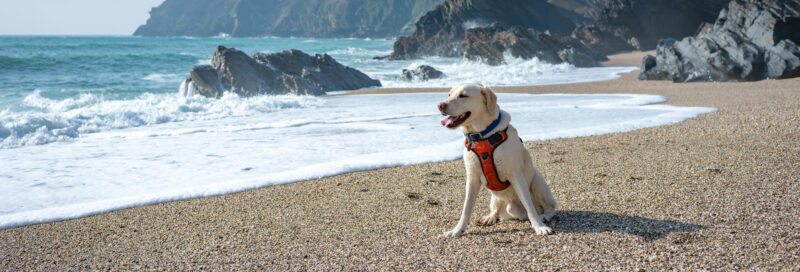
[73,17]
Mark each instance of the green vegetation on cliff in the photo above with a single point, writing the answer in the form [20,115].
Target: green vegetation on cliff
[301,18]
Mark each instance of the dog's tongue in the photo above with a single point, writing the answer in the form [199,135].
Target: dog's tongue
[448,121]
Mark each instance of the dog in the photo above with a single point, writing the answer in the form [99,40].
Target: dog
[495,157]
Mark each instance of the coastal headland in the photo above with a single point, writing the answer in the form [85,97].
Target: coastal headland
[716,192]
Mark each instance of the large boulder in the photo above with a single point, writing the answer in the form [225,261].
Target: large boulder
[322,71]
[421,73]
[441,31]
[290,71]
[750,40]
[489,44]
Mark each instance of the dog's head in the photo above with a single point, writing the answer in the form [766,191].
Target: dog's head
[468,105]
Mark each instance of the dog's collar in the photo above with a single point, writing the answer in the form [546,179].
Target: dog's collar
[482,134]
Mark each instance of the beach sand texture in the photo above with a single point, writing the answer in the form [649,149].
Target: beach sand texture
[717,192]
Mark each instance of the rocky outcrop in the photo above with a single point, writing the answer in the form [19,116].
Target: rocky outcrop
[751,40]
[604,26]
[322,71]
[289,71]
[284,18]
[421,73]
[206,81]
[441,31]
[625,25]
[489,44]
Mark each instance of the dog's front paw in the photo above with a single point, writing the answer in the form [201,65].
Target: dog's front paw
[488,220]
[453,233]
[543,230]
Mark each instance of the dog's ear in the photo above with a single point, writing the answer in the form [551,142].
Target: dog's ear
[490,98]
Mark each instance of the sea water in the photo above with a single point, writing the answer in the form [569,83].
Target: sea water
[93,124]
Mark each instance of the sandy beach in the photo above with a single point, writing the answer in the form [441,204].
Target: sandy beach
[717,192]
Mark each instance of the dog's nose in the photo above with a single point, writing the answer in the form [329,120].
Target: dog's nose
[442,106]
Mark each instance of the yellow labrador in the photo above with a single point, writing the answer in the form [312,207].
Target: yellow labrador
[493,149]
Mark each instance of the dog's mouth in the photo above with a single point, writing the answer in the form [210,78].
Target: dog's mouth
[455,121]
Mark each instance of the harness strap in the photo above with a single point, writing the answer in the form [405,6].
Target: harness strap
[484,149]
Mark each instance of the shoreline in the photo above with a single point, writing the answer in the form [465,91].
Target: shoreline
[718,191]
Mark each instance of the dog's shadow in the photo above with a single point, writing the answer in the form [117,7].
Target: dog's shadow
[599,222]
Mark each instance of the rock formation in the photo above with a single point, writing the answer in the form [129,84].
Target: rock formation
[322,71]
[490,43]
[206,81]
[441,31]
[284,18]
[625,25]
[421,73]
[750,40]
[290,71]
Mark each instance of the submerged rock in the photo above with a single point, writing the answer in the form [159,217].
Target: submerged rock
[751,40]
[290,71]
[490,43]
[422,73]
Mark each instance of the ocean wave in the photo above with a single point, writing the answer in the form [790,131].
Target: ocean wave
[515,72]
[355,51]
[61,120]
[163,77]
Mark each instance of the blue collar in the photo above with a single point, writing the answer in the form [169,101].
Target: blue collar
[492,126]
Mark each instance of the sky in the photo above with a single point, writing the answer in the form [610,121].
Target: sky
[73,17]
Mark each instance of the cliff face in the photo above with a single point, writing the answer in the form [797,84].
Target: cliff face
[582,12]
[751,40]
[441,31]
[639,24]
[303,18]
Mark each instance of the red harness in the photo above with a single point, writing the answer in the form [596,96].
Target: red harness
[484,149]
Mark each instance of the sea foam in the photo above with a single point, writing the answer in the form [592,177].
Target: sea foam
[514,72]
[50,120]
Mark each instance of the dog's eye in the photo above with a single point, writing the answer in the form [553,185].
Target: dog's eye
[462,95]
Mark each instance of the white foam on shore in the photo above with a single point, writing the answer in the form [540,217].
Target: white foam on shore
[212,147]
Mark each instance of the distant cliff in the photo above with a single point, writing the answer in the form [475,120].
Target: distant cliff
[283,18]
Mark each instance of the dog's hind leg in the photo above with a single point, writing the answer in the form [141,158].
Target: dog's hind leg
[542,197]
[516,211]
[495,208]
[523,190]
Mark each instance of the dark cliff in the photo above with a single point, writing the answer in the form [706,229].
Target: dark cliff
[441,31]
[624,25]
[750,40]
[301,18]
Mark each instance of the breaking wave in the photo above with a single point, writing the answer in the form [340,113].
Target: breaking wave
[50,120]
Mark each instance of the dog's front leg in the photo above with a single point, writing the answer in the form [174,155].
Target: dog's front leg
[473,185]
[522,188]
